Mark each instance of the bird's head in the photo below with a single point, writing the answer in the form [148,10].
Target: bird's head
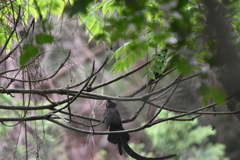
[110,104]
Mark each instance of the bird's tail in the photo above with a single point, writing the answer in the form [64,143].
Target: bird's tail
[115,138]
[137,156]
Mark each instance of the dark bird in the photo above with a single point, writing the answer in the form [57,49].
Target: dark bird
[113,122]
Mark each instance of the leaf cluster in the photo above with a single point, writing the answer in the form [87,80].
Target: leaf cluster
[187,139]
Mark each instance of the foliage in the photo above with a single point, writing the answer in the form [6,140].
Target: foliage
[186,139]
[40,136]
[149,28]
[30,51]
[167,32]
[211,92]
[169,36]
[38,10]
[157,31]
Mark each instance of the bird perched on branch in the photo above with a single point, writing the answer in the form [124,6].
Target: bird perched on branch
[112,121]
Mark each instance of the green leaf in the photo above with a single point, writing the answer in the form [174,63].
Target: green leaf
[118,52]
[90,23]
[121,68]
[218,95]
[44,38]
[94,31]
[41,6]
[158,70]
[79,6]
[151,75]
[99,5]
[112,8]
[183,66]
[160,58]
[127,47]
[152,44]
[144,46]
[132,58]
[57,7]
[100,36]
[9,45]
[159,64]
[34,12]
[171,54]
[212,92]
[28,53]
[139,54]
[106,7]
[116,71]
[164,53]
[127,63]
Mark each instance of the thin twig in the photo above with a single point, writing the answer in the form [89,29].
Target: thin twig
[120,77]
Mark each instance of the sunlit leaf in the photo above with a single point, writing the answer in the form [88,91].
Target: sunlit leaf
[57,7]
[118,52]
[106,7]
[34,12]
[90,23]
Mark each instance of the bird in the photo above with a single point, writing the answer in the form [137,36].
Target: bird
[112,121]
